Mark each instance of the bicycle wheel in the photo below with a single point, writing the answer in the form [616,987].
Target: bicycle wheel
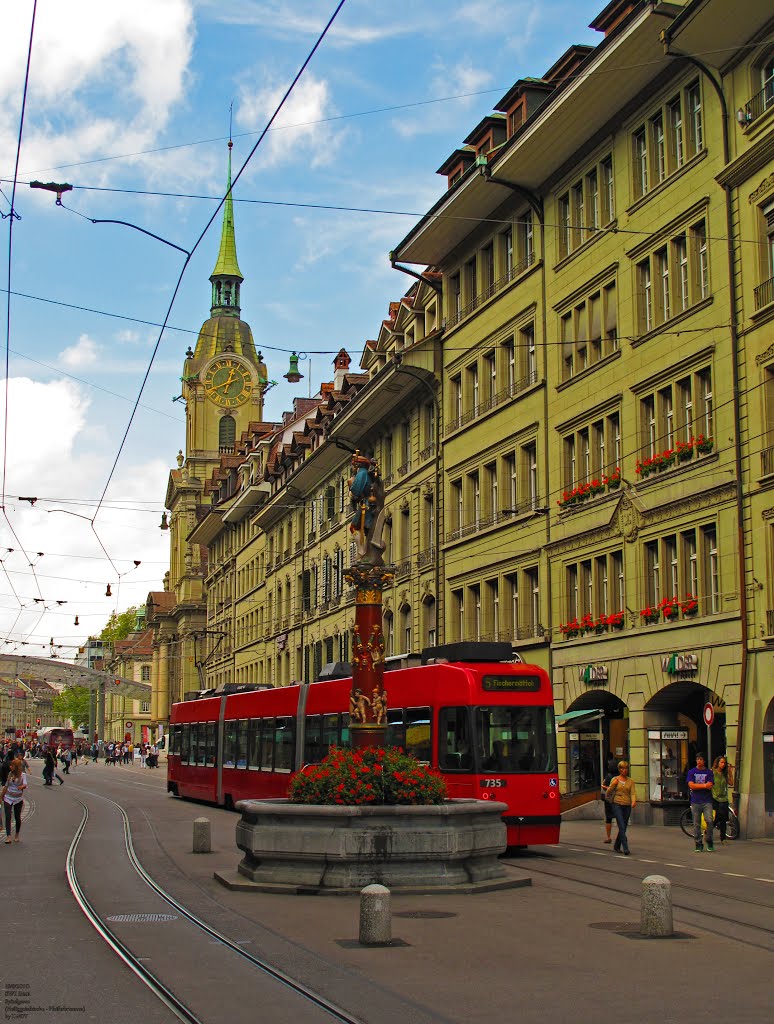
[686,822]
[732,827]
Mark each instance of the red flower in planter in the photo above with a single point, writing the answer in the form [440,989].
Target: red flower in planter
[650,614]
[690,605]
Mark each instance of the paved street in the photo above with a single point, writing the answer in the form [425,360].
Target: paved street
[547,952]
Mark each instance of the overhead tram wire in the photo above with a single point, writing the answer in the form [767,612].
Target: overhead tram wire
[393,108]
[198,241]
[11,219]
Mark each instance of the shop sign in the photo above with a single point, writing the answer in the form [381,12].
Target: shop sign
[282,642]
[593,674]
[674,664]
[668,734]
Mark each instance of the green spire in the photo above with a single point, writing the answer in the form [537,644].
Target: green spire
[226,277]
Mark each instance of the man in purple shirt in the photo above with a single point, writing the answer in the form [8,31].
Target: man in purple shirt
[700,782]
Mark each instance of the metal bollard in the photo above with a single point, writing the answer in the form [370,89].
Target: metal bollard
[201,836]
[656,910]
[375,916]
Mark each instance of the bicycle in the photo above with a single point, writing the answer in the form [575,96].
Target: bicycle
[732,825]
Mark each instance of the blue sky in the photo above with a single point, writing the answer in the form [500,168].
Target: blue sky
[133,97]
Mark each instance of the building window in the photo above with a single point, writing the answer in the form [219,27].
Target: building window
[677,415]
[592,450]
[672,135]
[507,253]
[672,278]
[589,331]
[145,673]
[226,432]
[684,569]
[526,239]
[145,707]
[583,209]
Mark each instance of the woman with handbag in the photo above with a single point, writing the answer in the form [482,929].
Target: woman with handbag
[720,794]
[622,795]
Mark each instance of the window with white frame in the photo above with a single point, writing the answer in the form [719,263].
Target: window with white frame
[589,331]
[672,278]
[586,207]
[677,414]
[671,136]
[592,450]
[684,567]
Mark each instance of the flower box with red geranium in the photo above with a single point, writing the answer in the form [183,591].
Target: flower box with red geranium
[650,615]
[684,450]
[615,620]
[613,481]
[587,624]
[703,444]
[570,629]
[670,608]
[690,605]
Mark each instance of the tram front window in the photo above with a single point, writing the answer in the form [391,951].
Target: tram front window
[515,739]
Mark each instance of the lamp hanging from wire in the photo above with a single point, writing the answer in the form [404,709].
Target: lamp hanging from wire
[108,592]
[164,525]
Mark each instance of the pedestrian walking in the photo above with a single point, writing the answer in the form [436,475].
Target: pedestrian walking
[49,769]
[720,794]
[623,800]
[142,754]
[609,776]
[700,782]
[13,797]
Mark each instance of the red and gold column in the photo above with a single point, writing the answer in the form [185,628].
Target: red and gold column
[368,699]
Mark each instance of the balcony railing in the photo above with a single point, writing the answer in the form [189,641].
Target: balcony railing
[759,103]
[402,470]
[767,461]
[491,403]
[770,622]
[425,558]
[488,292]
[483,522]
[427,452]
[764,294]
[403,569]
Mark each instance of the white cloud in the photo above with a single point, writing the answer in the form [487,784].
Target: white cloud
[460,80]
[85,352]
[128,57]
[308,104]
[127,337]
[64,470]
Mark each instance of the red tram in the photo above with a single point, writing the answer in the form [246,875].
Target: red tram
[486,723]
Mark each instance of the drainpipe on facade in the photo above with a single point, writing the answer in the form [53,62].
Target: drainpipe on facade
[737,436]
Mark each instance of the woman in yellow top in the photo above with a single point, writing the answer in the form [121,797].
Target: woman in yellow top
[624,800]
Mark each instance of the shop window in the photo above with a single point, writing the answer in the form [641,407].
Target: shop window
[667,761]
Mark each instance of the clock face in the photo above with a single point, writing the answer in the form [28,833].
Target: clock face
[228,382]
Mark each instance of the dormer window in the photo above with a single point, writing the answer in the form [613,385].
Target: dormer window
[515,119]
[454,178]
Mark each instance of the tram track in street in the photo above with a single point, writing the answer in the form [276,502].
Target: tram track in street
[163,991]
[719,923]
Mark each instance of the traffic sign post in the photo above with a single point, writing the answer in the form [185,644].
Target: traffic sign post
[709,717]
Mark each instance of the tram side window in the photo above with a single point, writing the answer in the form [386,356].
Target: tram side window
[283,745]
[455,751]
[174,739]
[254,743]
[329,734]
[344,729]
[241,752]
[211,752]
[267,744]
[185,744]
[229,744]
[198,740]
[418,733]
[396,731]
[313,748]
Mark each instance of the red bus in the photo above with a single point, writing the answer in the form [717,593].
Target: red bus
[484,721]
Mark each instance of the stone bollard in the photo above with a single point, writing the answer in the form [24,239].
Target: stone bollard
[656,911]
[201,836]
[375,916]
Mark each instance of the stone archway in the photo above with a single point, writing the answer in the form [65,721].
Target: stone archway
[595,727]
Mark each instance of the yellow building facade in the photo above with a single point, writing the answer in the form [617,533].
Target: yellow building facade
[571,408]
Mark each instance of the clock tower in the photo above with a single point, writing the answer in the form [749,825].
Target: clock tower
[223,384]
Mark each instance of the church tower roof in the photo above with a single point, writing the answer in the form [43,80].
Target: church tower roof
[226,277]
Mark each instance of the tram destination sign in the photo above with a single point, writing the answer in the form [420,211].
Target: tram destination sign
[504,684]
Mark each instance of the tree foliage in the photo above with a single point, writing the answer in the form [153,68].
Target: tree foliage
[73,703]
[119,625]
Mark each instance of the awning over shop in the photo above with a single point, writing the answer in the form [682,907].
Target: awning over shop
[577,717]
